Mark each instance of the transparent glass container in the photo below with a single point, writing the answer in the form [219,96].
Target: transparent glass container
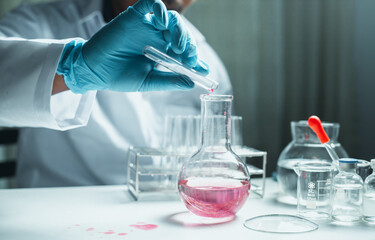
[305,146]
[369,196]
[214,182]
[347,193]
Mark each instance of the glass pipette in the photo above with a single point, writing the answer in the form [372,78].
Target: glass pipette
[177,67]
[316,125]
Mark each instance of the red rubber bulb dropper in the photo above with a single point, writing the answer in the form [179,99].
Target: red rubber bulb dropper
[316,125]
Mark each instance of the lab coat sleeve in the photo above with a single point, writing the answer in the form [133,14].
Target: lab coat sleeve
[28,68]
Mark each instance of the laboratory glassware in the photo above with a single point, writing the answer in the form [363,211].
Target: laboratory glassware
[369,196]
[347,193]
[316,125]
[182,133]
[305,146]
[363,168]
[150,176]
[214,182]
[314,188]
[236,141]
[280,223]
[177,67]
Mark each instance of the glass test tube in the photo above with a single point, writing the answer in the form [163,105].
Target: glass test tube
[177,67]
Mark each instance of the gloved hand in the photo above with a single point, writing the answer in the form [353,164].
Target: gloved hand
[112,59]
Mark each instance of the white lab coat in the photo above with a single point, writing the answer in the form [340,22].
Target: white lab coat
[102,125]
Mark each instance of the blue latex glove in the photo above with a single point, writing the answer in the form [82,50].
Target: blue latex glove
[112,59]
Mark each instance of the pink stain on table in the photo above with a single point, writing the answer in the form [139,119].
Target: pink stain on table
[145,227]
[90,229]
[109,232]
[122,234]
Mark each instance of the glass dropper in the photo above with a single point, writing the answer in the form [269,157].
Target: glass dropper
[316,125]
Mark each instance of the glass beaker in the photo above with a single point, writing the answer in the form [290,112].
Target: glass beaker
[305,146]
[314,188]
[214,182]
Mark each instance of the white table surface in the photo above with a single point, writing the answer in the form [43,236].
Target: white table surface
[90,212]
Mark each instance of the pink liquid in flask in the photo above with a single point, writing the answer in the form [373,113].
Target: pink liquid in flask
[216,198]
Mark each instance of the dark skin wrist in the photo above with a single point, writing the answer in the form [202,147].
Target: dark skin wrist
[59,84]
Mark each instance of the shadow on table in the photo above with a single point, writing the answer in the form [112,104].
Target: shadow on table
[187,219]
[274,200]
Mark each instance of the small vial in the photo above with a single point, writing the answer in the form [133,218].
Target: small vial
[369,196]
[347,193]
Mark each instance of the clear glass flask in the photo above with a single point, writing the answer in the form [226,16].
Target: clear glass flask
[347,193]
[214,182]
[369,196]
[305,146]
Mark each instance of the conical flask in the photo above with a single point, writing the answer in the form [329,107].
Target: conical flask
[214,182]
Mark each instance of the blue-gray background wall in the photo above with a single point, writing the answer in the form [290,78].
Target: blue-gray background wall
[289,59]
[365,64]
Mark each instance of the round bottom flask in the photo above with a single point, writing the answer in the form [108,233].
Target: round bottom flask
[214,182]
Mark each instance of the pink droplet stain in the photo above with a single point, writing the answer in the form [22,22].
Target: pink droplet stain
[211,90]
[145,227]
[122,234]
[90,229]
[109,232]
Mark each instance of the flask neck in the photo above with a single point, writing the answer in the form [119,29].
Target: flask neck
[216,121]
[348,168]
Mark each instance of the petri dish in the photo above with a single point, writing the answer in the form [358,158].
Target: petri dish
[179,68]
[280,223]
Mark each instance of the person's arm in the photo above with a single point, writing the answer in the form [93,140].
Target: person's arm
[58,84]
[28,65]
[28,69]
[113,60]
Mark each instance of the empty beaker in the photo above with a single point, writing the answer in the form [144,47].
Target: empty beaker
[314,188]
[305,146]
[214,182]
